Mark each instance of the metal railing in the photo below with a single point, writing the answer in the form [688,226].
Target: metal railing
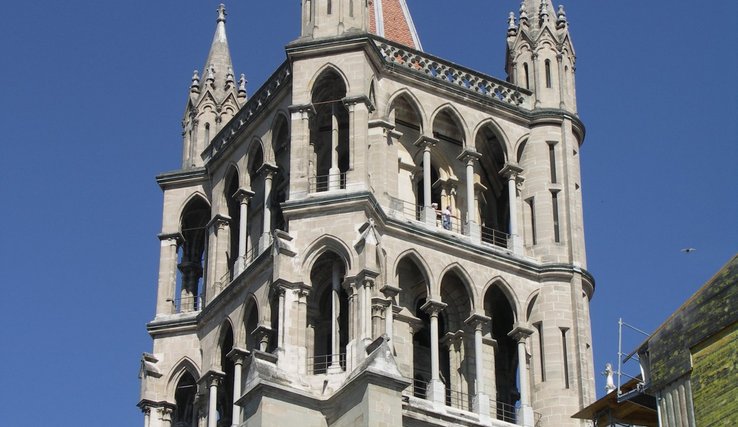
[458,399]
[322,183]
[409,210]
[223,281]
[187,304]
[406,209]
[322,364]
[495,237]
[503,411]
[463,401]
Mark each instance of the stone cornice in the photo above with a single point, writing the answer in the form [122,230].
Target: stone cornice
[173,324]
[183,177]
[177,236]
[531,269]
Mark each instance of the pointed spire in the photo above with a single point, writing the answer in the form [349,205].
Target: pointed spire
[537,11]
[523,14]
[544,11]
[512,28]
[242,88]
[219,65]
[195,86]
[561,21]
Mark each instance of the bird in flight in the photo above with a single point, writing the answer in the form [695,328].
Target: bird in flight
[688,250]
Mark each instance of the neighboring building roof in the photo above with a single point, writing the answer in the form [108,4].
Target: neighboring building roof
[710,310]
[641,410]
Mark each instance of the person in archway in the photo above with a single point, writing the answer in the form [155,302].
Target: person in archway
[446,218]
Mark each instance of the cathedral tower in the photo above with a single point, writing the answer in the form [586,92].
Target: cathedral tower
[376,236]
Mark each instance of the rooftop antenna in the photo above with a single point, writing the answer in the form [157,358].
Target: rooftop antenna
[633,354]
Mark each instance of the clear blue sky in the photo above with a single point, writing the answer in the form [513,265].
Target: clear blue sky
[90,110]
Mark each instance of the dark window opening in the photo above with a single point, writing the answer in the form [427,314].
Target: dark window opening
[555,202]
[566,358]
[552,160]
[541,358]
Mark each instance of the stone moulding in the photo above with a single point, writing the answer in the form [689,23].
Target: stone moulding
[252,109]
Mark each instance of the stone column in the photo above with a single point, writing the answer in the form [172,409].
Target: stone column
[282,316]
[366,311]
[480,402]
[335,316]
[379,310]
[300,150]
[520,333]
[334,178]
[426,143]
[238,356]
[147,416]
[390,292]
[473,229]
[165,299]
[436,389]
[244,197]
[512,172]
[213,382]
[268,171]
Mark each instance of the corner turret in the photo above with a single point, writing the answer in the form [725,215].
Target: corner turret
[214,97]
[540,54]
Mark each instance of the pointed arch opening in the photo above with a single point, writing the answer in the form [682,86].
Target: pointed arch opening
[251,323]
[328,315]
[497,306]
[456,343]
[234,212]
[191,254]
[413,342]
[329,136]
[449,130]
[255,222]
[225,387]
[493,206]
[281,186]
[184,401]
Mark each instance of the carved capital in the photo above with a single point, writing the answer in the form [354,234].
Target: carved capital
[520,332]
[426,142]
[350,101]
[305,110]
[267,169]
[243,195]
[433,307]
[238,355]
[219,222]
[469,156]
[212,378]
[173,239]
[477,321]
[511,170]
[390,291]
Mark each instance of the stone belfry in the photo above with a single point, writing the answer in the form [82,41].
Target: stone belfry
[376,236]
